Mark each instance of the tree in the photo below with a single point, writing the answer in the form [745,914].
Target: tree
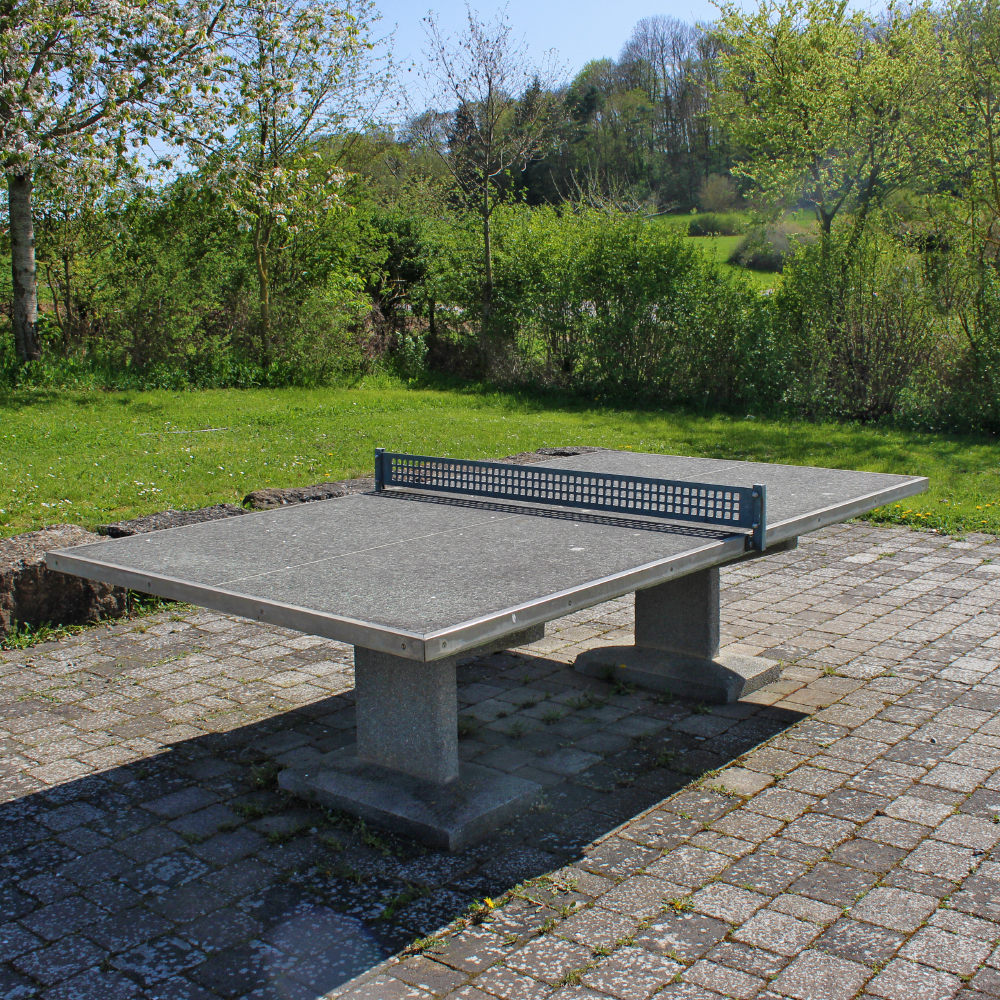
[640,126]
[76,220]
[673,63]
[83,83]
[975,89]
[300,76]
[717,194]
[500,109]
[827,105]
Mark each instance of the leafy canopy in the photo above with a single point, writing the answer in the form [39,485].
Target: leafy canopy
[827,105]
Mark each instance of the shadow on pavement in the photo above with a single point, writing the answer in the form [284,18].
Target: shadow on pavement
[188,875]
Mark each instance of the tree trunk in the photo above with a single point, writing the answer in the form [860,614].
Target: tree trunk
[22,260]
[263,285]
[488,254]
[69,327]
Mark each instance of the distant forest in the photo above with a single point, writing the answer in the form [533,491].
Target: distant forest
[640,127]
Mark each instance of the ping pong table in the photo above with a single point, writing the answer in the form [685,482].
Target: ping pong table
[448,558]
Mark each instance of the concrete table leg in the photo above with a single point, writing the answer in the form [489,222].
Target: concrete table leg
[404,773]
[676,647]
[407,714]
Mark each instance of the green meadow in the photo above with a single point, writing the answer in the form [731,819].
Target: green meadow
[93,457]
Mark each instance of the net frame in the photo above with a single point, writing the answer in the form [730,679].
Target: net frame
[723,506]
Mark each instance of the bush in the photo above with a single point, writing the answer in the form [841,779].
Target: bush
[962,391]
[904,326]
[173,303]
[717,194]
[715,225]
[769,250]
[977,388]
[610,306]
[858,327]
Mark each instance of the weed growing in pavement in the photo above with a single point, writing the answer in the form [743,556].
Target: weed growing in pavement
[468,726]
[573,977]
[587,700]
[679,905]
[266,775]
[373,840]
[345,871]
[276,837]
[620,686]
[138,604]
[255,809]
[409,895]
[23,636]
[432,943]
[479,910]
[359,828]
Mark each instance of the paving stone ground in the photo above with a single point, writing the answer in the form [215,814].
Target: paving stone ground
[834,835]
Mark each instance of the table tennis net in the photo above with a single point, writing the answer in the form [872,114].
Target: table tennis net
[706,503]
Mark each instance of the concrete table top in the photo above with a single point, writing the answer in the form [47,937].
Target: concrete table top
[425,576]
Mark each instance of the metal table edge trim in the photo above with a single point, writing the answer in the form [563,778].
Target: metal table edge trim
[838,513]
[477,631]
[400,642]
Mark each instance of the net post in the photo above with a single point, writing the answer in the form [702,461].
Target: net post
[758,540]
[379,470]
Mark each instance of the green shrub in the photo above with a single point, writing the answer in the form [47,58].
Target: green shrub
[904,326]
[717,193]
[607,305]
[962,391]
[172,303]
[771,249]
[711,224]
[858,327]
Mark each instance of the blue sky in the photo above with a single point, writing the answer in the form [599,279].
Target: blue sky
[580,30]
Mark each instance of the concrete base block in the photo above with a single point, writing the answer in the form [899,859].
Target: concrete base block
[450,816]
[725,678]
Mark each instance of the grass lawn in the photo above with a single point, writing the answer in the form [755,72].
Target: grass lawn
[719,248]
[91,457]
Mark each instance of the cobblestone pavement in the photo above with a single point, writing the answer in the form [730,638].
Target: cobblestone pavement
[834,835]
